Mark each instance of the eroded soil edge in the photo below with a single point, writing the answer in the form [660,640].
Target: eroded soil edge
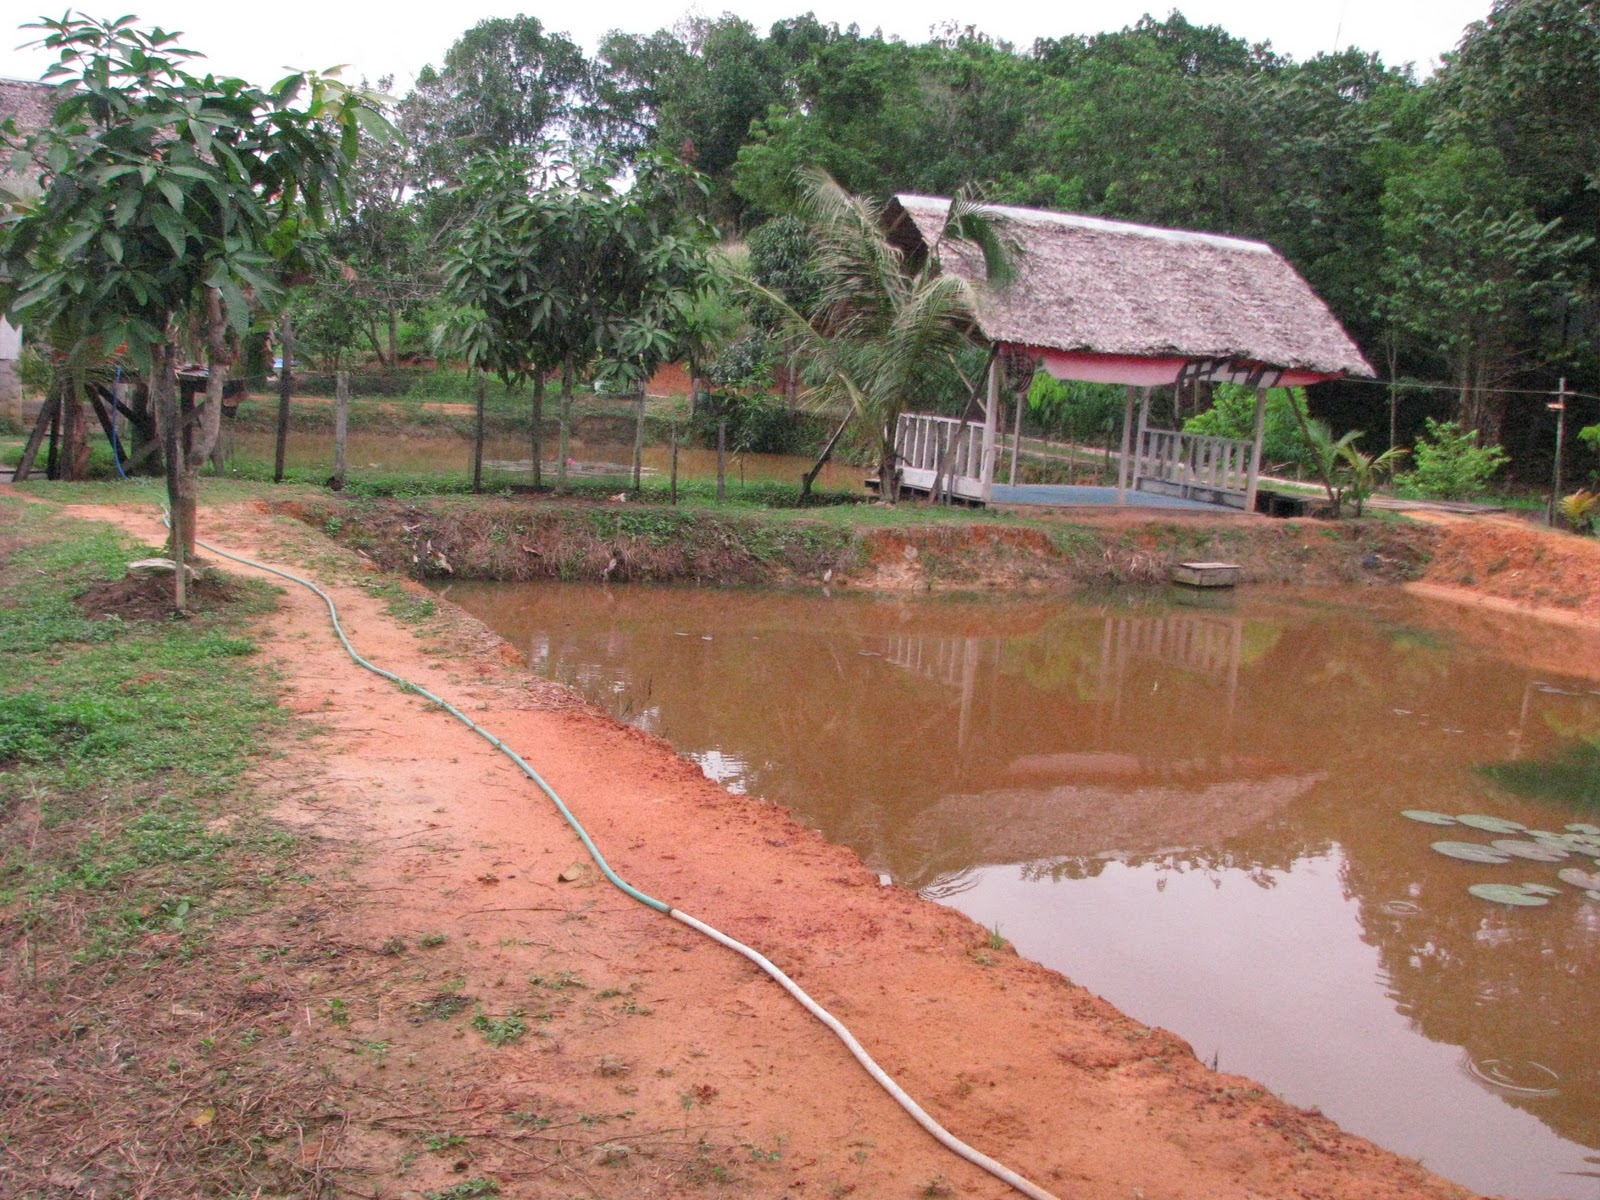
[457,998]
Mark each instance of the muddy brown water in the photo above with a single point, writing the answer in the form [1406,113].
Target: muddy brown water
[506,460]
[1190,806]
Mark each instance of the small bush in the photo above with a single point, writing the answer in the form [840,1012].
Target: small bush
[1450,465]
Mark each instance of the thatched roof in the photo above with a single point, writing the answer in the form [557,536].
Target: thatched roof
[29,104]
[28,101]
[1090,286]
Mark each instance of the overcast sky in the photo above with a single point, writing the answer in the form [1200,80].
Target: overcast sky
[256,41]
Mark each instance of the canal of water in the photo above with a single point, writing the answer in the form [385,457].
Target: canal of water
[1193,808]
[506,460]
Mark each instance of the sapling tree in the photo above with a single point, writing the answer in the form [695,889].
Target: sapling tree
[559,267]
[171,204]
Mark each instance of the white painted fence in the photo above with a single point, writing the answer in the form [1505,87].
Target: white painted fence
[1215,470]
[919,441]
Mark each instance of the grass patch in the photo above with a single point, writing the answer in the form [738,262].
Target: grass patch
[119,742]
[129,845]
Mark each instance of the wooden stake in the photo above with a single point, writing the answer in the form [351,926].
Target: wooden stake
[341,423]
[285,384]
[538,427]
[41,426]
[477,439]
[674,462]
[722,459]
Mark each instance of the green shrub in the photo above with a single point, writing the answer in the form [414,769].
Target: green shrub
[1233,415]
[1450,465]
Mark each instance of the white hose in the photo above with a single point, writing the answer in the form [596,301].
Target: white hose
[999,1170]
[918,1114]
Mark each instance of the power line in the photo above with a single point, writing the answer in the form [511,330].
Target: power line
[1403,384]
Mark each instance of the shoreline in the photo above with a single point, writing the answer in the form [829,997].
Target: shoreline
[1014,1058]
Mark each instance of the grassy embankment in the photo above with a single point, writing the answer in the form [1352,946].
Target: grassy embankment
[127,847]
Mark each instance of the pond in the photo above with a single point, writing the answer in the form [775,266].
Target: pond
[1191,806]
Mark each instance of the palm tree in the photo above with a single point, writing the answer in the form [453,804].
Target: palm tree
[881,331]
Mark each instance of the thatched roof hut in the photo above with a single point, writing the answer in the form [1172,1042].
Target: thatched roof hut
[1114,302]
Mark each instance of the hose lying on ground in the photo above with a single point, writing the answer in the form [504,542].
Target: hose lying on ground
[880,1076]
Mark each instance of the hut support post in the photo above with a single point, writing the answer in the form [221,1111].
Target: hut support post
[1255,452]
[1138,439]
[991,416]
[1016,435]
[1127,438]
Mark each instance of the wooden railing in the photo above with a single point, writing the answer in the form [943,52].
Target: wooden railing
[919,441]
[1196,467]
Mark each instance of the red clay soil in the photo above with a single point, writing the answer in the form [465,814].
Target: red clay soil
[727,1085]
[1506,563]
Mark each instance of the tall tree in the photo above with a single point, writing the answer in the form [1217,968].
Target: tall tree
[170,203]
[507,83]
[1473,272]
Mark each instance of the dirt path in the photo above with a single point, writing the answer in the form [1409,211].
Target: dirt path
[668,1066]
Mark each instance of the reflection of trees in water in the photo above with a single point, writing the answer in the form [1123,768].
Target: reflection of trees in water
[1511,985]
[913,732]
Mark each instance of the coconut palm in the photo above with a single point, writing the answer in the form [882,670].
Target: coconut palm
[883,328]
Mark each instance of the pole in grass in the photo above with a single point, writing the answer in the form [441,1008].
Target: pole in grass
[1560,409]
[722,459]
[285,373]
[674,488]
[341,425]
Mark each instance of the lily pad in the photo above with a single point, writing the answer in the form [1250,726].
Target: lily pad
[1491,824]
[1583,827]
[1541,889]
[1587,880]
[1427,817]
[1507,893]
[1533,851]
[1471,852]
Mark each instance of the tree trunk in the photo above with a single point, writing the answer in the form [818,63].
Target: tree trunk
[1334,496]
[394,336]
[888,477]
[638,441]
[538,427]
[198,426]
[377,343]
[810,477]
[74,431]
[52,458]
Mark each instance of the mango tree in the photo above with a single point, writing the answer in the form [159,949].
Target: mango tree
[557,267]
[171,204]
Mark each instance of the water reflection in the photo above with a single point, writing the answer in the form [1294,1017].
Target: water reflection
[1192,810]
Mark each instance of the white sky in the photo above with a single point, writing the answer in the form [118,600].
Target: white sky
[256,41]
